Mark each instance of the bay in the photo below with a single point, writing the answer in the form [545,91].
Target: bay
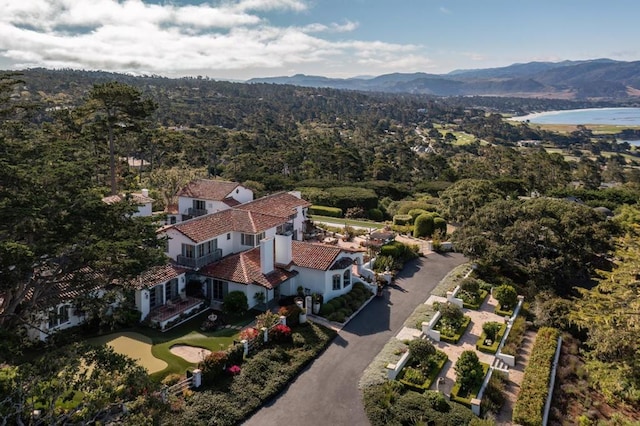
[612,116]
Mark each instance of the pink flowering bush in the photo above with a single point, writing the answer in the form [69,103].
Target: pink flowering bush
[234,370]
[249,334]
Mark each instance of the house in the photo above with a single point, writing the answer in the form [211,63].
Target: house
[205,196]
[141,198]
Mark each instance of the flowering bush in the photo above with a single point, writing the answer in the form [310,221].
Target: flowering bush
[234,370]
[249,334]
[281,333]
[213,366]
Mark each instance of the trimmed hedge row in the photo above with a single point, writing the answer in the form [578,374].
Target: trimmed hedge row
[482,295]
[490,349]
[325,211]
[535,384]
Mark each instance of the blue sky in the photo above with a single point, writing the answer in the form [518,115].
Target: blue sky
[240,39]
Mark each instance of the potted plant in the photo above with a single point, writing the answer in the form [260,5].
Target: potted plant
[317,302]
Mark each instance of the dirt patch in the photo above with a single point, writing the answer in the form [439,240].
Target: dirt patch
[189,353]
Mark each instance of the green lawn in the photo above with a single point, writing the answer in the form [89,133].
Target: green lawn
[351,222]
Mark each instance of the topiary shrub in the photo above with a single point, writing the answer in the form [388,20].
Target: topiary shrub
[421,349]
[235,303]
[325,211]
[375,214]
[423,225]
[439,225]
[402,219]
[469,371]
[491,329]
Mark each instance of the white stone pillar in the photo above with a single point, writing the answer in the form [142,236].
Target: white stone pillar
[245,346]
[197,378]
[265,334]
[283,320]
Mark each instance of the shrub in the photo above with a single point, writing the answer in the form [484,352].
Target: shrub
[280,333]
[325,211]
[267,319]
[535,383]
[249,334]
[469,371]
[235,302]
[172,379]
[402,219]
[439,225]
[327,309]
[414,213]
[375,214]
[354,213]
[452,314]
[421,349]
[213,366]
[507,296]
[470,285]
[491,329]
[413,375]
[515,337]
[234,370]
[292,312]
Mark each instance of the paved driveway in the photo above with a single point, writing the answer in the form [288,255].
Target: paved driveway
[326,393]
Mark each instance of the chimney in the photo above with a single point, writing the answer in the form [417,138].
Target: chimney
[283,249]
[266,255]
[145,192]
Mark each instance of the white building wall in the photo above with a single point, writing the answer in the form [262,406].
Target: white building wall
[242,194]
[176,239]
[144,210]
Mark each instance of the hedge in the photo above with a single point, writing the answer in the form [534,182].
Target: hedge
[482,295]
[535,383]
[466,400]
[441,360]
[491,349]
[325,211]
[459,332]
[402,219]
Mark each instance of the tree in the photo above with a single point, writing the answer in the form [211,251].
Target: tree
[464,197]
[56,230]
[469,372]
[421,349]
[118,108]
[542,242]
[235,303]
[506,295]
[491,329]
[423,225]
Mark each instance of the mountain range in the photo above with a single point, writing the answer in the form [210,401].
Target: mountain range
[589,79]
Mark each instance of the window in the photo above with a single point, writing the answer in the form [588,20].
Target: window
[207,248]
[188,251]
[59,316]
[229,236]
[217,290]
[251,239]
[199,205]
[336,282]
[171,289]
[347,278]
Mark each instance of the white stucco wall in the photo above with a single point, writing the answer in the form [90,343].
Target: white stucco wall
[144,210]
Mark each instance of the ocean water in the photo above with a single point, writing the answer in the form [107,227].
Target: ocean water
[614,116]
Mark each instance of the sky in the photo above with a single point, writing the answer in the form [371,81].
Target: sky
[242,39]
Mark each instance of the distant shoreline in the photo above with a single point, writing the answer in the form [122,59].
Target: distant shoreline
[533,116]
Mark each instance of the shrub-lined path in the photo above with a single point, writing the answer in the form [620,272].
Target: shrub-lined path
[326,393]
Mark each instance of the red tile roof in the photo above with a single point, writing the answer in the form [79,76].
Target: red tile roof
[137,198]
[314,256]
[203,228]
[282,204]
[214,190]
[156,275]
[244,268]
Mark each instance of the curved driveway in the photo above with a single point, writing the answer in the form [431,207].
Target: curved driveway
[326,393]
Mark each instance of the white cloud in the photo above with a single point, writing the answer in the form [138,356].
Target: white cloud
[133,36]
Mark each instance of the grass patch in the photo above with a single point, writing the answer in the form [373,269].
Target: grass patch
[342,222]
[440,359]
[454,338]
[465,398]
[493,347]
[134,345]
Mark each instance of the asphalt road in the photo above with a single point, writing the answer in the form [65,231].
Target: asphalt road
[326,393]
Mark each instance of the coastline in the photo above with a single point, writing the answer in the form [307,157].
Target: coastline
[533,116]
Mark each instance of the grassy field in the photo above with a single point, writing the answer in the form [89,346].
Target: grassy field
[351,222]
[595,128]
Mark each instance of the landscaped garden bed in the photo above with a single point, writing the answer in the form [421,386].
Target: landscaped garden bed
[465,397]
[471,293]
[470,373]
[489,340]
[452,324]
[418,377]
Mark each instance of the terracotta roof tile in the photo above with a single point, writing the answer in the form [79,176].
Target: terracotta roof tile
[207,189]
[244,268]
[203,228]
[282,204]
[156,275]
[314,256]
[137,198]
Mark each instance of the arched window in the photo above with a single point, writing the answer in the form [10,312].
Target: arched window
[336,282]
[347,278]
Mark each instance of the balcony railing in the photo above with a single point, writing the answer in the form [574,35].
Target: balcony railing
[285,229]
[199,262]
[193,212]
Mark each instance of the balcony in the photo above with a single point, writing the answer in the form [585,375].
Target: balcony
[286,229]
[199,262]
[174,311]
